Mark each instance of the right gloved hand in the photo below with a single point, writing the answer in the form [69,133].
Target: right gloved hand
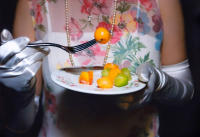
[19,63]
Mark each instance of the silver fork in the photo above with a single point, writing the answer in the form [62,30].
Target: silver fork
[71,50]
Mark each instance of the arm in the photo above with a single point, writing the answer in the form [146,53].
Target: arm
[18,67]
[23,25]
[173,48]
[172,82]
[21,113]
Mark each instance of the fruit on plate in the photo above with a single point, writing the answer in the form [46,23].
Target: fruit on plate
[121,80]
[86,77]
[111,66]
[102,35]
[112,75]
[105,72]
[104,83]
[126,72]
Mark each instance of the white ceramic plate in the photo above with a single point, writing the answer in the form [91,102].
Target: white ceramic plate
[71,81]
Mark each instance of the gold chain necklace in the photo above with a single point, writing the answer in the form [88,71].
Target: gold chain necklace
[68,33]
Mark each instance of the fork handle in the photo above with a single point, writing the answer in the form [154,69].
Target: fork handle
[46,45]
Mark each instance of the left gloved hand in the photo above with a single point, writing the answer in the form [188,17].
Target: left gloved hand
[171,84]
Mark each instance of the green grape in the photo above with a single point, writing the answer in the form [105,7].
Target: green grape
[121,80]
[105,72]
[126,72]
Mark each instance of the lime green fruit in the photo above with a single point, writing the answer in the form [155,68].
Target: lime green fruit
[105,72]
[121,80]
[126,72]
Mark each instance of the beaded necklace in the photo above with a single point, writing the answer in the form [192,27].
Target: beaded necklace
[68,33]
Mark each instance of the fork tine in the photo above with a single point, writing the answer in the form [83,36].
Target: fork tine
[84,46]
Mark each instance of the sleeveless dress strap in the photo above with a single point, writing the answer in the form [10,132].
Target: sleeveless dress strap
[49,26]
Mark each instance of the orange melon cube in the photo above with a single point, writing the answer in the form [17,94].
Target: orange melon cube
[86,77]
[111,66]
[113,73]
[104,83]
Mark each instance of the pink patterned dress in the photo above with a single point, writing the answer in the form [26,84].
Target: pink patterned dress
[137,39]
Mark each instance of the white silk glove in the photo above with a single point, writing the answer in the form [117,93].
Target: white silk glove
[18,67]
[169,84]
[19,63]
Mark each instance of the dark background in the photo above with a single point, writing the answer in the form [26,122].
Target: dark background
[176,121]
[7,8]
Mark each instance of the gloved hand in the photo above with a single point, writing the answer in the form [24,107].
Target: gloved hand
[18,67]
[19,63]
[170,84]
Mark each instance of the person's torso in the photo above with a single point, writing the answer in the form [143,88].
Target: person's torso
[136,39]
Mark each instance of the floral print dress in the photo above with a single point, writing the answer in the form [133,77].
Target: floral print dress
[136,39]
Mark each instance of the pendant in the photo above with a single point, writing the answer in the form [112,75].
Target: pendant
[90,18]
